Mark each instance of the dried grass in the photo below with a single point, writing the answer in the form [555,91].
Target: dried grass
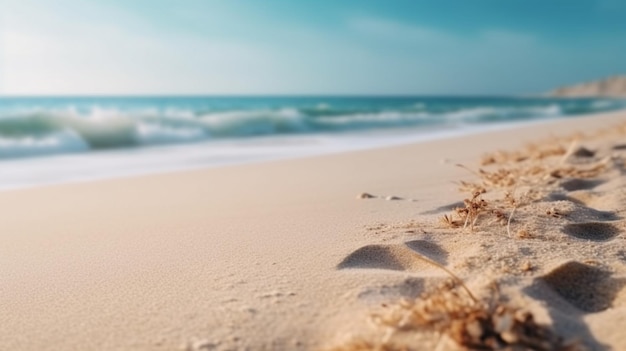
[449,222]
[452,312]
[536,168]
[554,212]
[529,175]
[470,324]
[473,209]
[534,152]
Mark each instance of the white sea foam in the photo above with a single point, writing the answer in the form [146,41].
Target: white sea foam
[503,113]
[391,118]
[550,110]
[65,141]
[153,133]
[117,163]
[256,122]
[471,113]
[39,127]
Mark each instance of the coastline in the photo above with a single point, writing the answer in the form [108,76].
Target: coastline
[21,173]
[238,256]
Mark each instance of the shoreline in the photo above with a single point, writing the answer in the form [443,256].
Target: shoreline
[241,256]
[130,163]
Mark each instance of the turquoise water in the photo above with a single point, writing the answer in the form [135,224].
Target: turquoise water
[59,140]
[52,126]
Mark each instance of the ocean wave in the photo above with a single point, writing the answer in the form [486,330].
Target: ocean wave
[608,104]
[477,114]
[34,129]
[60,142]
[255,122]
[372,120]
[155,133]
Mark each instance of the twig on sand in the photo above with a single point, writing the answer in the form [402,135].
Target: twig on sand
[508,224]
[452,275]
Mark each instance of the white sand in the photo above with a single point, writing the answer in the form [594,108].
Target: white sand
[250,257]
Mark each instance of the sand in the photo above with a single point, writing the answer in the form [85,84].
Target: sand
[284,255]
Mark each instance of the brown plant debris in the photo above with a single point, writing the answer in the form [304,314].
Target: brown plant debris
[449,222]
[500,216]
[468,187]
[553,212]
[473,208]
[468,215]
[538,152]
[535,170]
[530,174]
[472,325]
[581,172]
[524,234]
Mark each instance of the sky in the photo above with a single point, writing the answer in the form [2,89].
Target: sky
[268,47]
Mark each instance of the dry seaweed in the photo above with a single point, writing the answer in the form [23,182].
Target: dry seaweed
[554,212]
[451,314]
[469,323]
[468,215]
[449,222]
[537,152]
[537,168]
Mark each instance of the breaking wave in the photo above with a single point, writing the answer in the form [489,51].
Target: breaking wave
[27,128]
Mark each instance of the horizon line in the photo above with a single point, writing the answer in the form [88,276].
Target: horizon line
[287,95]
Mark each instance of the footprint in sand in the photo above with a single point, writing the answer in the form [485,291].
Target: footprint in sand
[585,287]
[580,210]
[587,214]
[410,256]
[575,184]
[588,223]
[594,231]
[619,147]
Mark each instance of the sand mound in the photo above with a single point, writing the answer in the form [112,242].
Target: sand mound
[528,210]
[413,255]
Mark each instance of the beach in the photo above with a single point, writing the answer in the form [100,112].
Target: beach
[282,255]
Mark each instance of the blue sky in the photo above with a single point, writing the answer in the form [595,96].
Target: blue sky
[61,47]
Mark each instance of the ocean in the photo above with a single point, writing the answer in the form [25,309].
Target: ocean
[46,140]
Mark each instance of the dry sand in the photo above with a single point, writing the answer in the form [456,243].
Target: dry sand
[283,256]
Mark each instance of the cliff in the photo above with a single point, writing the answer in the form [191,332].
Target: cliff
[610,87]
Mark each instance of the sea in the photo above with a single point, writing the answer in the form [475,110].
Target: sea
[50,140]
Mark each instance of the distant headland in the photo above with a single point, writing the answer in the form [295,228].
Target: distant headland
[614,86]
